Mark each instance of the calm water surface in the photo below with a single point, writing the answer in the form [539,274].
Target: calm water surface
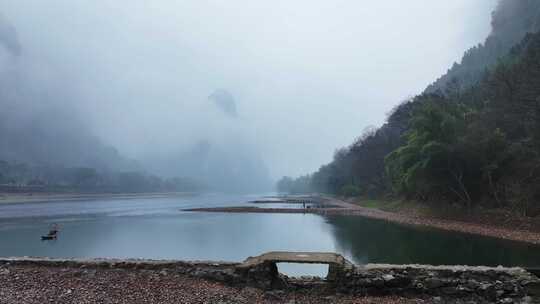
[155,228]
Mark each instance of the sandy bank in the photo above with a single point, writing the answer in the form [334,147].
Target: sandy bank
[520,235]
[339,207]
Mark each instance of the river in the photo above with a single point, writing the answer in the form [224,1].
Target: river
[157,229]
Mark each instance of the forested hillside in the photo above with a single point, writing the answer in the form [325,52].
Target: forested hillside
[510,22]
[473,137]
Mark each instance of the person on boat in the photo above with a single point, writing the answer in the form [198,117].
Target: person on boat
[54,230]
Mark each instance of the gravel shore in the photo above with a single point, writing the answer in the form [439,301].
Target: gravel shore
[339,207]
[512,234]
[39,284]
[508,233]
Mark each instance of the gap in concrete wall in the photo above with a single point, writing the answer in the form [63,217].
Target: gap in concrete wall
[299,269]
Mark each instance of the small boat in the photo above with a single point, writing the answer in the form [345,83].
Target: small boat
[53,233]
[48,237]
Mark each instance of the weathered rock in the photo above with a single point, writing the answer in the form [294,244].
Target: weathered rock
[276,295]
[433,283]
[387,277]
[481,283]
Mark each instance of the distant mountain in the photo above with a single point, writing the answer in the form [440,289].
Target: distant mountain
[361,167]
[8,37]
[54,139]
[42,127]
[38,125]
[224,100]
[226,159]
[511,21]
[228,168]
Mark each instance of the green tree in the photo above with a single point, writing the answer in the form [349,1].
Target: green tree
[433,162]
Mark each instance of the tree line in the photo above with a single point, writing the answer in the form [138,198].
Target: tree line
[22,177]
[472,138]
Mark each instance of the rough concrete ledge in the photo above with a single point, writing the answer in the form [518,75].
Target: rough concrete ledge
[510,270]
[506,285]
[111,262]
[481,284]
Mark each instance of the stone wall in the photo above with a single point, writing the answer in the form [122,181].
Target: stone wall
[480,284]
[489,284]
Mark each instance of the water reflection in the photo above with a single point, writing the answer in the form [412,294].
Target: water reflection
[372,241]
[193,236]
[157,229]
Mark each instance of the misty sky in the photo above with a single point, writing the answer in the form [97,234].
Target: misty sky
[307,76]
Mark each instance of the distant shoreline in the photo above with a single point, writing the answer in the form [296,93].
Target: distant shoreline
[22,198]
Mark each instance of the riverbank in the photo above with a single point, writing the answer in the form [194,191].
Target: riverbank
[21,198]
[522,233]
[333,206]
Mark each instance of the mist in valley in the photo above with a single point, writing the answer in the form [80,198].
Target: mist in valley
[229,95]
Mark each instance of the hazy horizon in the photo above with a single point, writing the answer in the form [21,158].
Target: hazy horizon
[305,77]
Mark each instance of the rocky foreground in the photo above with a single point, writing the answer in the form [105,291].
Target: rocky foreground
[41,284]
[256,280]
